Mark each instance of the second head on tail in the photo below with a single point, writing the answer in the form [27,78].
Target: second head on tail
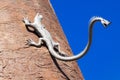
[105,22]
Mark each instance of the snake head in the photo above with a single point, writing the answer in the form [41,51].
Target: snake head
[105,22]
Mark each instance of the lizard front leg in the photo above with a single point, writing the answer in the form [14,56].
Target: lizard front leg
[27,22]
[30,42]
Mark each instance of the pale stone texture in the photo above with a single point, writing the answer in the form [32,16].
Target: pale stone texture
[20,62]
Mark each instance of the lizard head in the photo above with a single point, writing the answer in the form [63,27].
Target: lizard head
[38,17]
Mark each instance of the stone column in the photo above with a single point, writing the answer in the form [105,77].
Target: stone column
[21,62]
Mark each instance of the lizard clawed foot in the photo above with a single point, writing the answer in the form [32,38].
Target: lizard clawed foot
[26,20]
[30,42]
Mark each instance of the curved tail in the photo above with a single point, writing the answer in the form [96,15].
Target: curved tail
[85,50]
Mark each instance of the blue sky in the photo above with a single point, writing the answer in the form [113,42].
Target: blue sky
[102,62]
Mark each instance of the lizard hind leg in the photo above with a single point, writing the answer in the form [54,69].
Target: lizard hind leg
[57,48]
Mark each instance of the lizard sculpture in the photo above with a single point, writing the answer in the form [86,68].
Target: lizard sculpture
[54,47]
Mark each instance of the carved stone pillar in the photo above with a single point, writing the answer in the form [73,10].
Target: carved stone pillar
[20,62]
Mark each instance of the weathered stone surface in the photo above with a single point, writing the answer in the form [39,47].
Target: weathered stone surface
[20,62]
